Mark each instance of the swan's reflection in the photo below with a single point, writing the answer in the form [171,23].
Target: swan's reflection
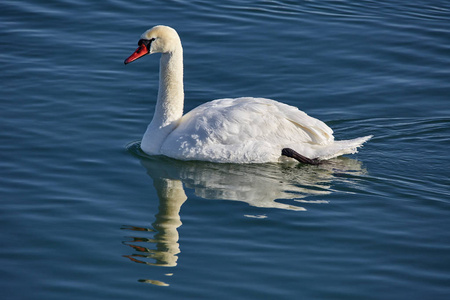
[259,185]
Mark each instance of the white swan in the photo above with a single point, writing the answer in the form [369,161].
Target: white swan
[242,130]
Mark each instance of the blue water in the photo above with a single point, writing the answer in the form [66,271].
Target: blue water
[85,215]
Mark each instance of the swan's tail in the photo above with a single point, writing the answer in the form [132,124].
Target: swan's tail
[338,148]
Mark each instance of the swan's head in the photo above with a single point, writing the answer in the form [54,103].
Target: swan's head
[159,39]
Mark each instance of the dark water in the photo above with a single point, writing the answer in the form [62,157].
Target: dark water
[85,217]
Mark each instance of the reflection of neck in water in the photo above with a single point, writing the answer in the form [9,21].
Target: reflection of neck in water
[171,197]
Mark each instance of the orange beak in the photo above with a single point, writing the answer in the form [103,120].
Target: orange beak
[140,51]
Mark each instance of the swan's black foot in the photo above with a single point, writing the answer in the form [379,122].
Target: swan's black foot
[303,159]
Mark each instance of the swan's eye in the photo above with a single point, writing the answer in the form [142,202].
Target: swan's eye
[145,42]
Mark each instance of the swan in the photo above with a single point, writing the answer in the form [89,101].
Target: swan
[240,130]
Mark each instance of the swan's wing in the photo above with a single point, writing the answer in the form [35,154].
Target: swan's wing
[244,129]
[241,119]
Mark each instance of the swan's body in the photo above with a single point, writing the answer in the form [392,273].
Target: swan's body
[242,130]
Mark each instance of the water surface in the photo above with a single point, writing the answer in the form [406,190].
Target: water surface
[86,216]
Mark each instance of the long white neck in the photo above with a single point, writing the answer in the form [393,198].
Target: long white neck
[169,107]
